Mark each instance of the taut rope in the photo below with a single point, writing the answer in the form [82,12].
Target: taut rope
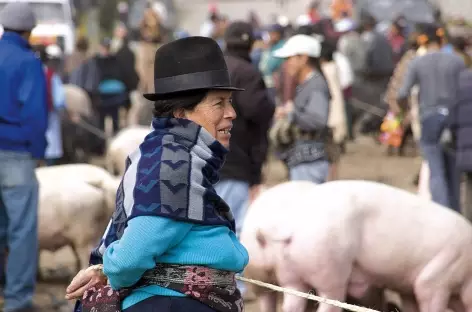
[308,296]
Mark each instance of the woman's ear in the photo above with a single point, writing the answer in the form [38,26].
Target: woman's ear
[180,113]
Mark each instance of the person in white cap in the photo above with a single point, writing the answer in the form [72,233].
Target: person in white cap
[23,124]
[305,153]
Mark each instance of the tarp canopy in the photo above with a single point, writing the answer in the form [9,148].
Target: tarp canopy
[416,11]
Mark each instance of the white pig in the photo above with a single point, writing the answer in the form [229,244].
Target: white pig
[71,213]
[342,237]
[125,142]
[90,174]
[77,101]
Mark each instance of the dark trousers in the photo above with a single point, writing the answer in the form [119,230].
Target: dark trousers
[113,112]
[169,304]
[349,118]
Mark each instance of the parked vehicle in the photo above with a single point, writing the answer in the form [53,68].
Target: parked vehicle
[55,23]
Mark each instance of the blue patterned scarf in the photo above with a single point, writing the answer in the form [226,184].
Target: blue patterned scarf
[171,175]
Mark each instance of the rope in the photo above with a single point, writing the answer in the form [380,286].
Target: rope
[92,129]
[308,296]
[369,108]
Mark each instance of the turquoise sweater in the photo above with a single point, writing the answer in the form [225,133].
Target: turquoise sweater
[269,64]
[150,239]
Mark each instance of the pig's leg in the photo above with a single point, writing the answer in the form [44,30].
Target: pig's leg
[432,299]
[78,264]
[288,278]
[431,296]
[293,303]
[335,293]
[267,301]
[330,275]
[433,285]
[466,295]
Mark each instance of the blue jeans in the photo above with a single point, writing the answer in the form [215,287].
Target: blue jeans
[444,180]
[316,172]
[19,192]
[236,195]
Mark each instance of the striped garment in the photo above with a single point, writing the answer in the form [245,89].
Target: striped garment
[171,174]
[397,79]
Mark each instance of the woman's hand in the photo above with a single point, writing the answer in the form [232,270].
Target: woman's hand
[84,280]
[75,118]
[284,110]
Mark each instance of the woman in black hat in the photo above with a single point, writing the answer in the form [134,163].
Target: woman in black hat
[170,245]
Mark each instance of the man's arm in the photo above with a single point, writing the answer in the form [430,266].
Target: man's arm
[408,83]
[289,86]
[34,115]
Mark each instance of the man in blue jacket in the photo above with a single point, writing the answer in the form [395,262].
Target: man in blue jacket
[23,123]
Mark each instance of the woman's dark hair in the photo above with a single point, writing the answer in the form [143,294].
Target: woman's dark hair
[82,44]
[318,29]
[327,50]
[169,104]
[412,41]
[460,43]
[399,26]
[305,30]
[214,17]
[316,65]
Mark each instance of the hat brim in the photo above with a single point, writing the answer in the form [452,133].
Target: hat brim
[158,96]
[284,53]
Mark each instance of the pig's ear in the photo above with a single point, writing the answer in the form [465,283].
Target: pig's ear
[261,239]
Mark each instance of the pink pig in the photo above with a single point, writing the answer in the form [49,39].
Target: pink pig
[348,237]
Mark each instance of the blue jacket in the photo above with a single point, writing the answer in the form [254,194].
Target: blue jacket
[23,109]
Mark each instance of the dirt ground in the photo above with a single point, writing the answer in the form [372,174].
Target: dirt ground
[364,160]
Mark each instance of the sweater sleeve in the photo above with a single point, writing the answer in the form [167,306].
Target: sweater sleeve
[143,241]
[34,114]
[409,81]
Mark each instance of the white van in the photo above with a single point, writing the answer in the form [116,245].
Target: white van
[55,23]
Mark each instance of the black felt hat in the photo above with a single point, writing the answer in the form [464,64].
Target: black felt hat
[192,63]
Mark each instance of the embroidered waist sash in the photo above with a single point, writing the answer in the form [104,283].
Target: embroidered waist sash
[214,288]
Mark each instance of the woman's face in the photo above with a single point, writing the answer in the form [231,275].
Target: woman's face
[394,31]
[215,113]
[295,64]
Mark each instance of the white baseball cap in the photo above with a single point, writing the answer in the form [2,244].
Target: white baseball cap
[303,20]
[53,51]
[346,24]
[300,45]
